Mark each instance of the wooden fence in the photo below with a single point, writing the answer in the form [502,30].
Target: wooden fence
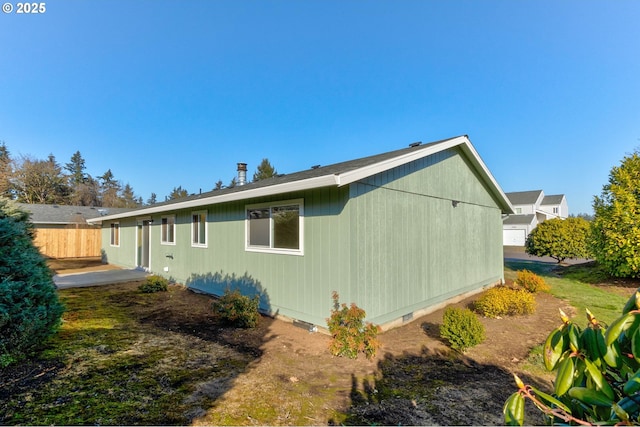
[68,242]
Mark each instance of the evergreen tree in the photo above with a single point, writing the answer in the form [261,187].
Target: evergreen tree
[178,193]
[83,186]
[128,199]
[264,170]
[76,169]
[30,311]
[5,171]
[153,199]
[218,185]
[109,190]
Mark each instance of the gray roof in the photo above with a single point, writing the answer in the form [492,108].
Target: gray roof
[552,200]
[518,219]
[313,172]
[63,214]
[524,197]
[336,174]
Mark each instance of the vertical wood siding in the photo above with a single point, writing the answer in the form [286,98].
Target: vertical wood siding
[411,247]
[392,243]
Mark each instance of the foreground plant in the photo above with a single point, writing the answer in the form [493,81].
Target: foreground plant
[598,372]
[350,335]
[30,311]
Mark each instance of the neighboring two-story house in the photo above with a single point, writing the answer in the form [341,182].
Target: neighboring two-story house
[531,208]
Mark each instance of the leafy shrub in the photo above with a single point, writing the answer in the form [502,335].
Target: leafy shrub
[597,373]
[350,335]
[462,328]
[238,309]
[154,284]
[505,301]
[30,311]
[531,282]
[560,239]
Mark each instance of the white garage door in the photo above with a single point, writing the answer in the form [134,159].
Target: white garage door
[513,237]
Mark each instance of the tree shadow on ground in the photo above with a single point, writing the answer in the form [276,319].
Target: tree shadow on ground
[434,388]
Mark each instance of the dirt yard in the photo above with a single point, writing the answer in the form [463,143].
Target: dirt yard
[291,379]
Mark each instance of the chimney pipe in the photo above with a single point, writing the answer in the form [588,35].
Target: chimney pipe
[242,173]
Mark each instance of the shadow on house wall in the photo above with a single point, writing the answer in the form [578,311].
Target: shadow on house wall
[217,283]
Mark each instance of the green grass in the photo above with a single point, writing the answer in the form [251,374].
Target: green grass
[576,288]
[117,371]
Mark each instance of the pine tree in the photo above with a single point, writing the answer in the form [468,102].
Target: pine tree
[30,311]
[5,171]
[264,170]
[178,193]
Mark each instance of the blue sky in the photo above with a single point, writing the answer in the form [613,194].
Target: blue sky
[169,93]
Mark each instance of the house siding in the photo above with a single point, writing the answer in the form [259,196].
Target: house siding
[294,286]
[392,243]
[424,251]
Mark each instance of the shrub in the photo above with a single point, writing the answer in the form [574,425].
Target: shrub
[238,309]
[531,282]
[350,335]
[154,284]
[462,328]
[30,311]
[504,301]
[597,373]
[560,239]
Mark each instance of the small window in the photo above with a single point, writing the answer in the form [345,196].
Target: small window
[518,211]
[199,229]
[115,234]
[275,228]
[556,210]
[168,230]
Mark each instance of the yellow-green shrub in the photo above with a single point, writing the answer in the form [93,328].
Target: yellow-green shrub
[531,281]
[504,301]
[462,328]
[153,284]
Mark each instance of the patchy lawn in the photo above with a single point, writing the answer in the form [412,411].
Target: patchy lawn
[126,358]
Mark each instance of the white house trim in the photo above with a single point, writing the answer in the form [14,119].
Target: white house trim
[334,179]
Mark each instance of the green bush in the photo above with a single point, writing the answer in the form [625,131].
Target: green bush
[597,373]
[238,309]
[531,281]
[462,328]
[153,284]
[505,301]
[350,335]
[30,311]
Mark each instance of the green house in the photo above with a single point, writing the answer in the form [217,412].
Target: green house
[400,234]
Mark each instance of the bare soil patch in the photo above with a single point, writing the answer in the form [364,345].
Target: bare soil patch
[285,375]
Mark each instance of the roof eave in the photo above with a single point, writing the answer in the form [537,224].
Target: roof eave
[305,184]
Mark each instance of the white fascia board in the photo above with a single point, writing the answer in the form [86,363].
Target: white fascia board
[462,141]
[367,171]
[304,184]
[475,157]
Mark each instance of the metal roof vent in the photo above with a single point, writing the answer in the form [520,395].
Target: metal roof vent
[315,166]
[242,173]
[415,144]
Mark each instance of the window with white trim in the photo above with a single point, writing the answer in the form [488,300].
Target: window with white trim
[556,210]
[168,230]
[199,229]
[275,227]
[115,234]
